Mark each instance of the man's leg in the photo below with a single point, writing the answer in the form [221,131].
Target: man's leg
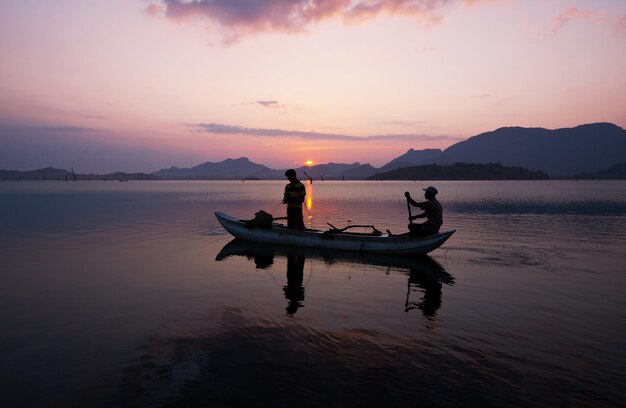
[299,221]
[416,230]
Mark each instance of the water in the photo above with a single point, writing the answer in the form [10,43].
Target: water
[131,294]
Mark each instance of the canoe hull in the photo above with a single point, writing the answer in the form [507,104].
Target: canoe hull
[396,244]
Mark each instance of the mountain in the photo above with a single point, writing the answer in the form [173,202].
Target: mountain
[412,158]
[461,171]
[560,152]
[335,171]
[50,173]
[615,172]
[118,176]
[359,173]
[229,169]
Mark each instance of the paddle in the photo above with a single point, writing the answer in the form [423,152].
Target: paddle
[408,205]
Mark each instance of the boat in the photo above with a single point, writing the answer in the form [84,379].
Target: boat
[333,238]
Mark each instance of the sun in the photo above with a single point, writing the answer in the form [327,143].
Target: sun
[309,162]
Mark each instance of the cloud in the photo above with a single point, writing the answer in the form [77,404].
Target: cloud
[576,14]
[244,17]
[63,129]
[220,129]
[268,104]
[572,13]
[264,103]
[154,10]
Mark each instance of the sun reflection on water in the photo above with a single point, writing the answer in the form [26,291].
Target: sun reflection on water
[309,197]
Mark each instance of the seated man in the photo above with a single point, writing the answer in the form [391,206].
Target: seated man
[432,212]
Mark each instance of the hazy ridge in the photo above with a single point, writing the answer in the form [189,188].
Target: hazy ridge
[586,151]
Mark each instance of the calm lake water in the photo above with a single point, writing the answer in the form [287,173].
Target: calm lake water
[131,294]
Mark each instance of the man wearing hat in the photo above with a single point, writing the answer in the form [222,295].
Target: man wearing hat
[432,212]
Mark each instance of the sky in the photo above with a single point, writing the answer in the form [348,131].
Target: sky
[140,85]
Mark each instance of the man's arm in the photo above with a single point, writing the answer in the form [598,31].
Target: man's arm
[285,195]
[410,200]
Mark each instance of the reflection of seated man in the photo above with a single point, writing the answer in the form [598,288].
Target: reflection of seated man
[432,212]
[294,291]
[429,276]
[431,302]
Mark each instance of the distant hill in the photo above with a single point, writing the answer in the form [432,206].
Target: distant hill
[461,171]
[50,173]
[118,176]
[615,172]
[243,168]
[359,173]
[229,169]
[412,158]
[560,152]
[337,171]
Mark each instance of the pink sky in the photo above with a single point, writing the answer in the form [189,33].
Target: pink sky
[107,85]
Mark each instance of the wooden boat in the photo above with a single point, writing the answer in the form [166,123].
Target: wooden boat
[334,238]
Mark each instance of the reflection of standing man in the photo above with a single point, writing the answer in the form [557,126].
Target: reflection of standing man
[294,197]
[294,291]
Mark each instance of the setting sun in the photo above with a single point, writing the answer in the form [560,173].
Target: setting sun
[309,162]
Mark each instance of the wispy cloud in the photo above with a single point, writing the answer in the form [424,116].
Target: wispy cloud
[220,129]
[263,103]
[243,17]
[64,129]
[572,13]
[596,17]
[268,104]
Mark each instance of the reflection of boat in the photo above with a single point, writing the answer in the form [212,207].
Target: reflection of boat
[333,238]
[425,274]
[264,254]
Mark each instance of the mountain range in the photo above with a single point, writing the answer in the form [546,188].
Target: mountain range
[559,153]
[588,151]
[562,153]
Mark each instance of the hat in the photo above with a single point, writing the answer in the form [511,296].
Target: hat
[431,189]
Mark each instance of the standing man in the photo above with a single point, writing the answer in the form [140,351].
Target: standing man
[294,197]
[432,212]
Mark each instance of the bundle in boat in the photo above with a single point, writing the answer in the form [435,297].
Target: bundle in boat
[262,219]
